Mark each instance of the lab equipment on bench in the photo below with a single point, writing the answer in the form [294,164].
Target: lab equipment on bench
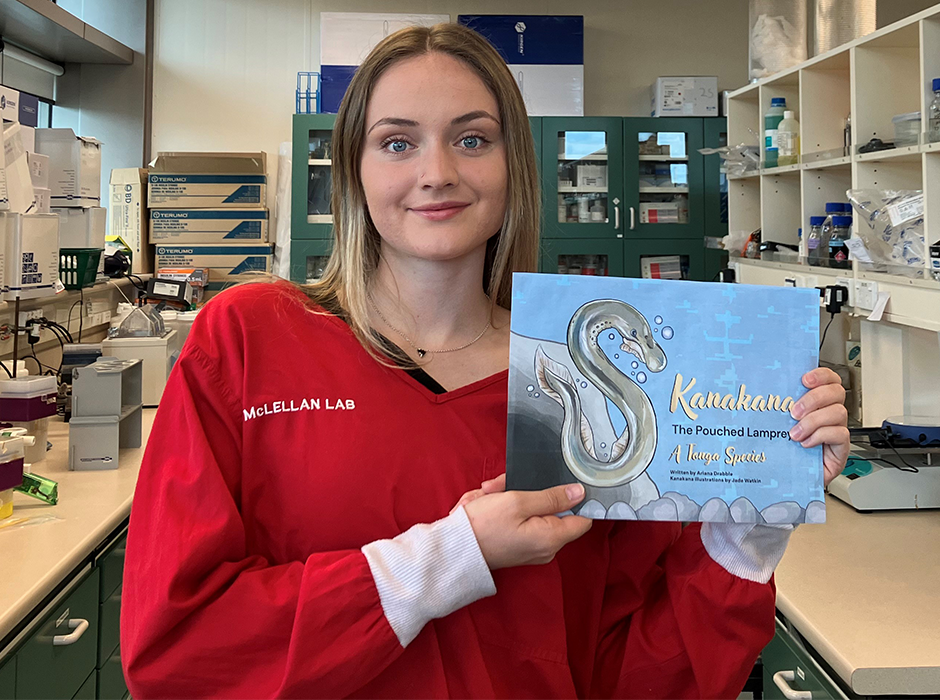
[157,353]
[29,402]
[894,467]
[106,412]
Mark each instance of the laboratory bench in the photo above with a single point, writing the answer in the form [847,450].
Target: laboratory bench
[857,597]
[56,576]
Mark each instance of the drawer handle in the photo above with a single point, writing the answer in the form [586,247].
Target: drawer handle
[632,218]
[781,680]
[63,640]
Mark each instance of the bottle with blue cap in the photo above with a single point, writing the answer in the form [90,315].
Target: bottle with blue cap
[838,250]
[933,124]
[778,105]
[812,240]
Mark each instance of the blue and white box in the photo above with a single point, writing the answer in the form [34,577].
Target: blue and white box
[208,226]
[207,181]
[346,38]
[545,54]
[667,400]
[232,259]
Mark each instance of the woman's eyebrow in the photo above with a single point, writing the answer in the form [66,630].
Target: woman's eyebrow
[463,119]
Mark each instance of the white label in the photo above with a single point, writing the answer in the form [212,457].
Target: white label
[786,143]
[800,674]
[857,247]
[58,286]
[673,92]
[910,208]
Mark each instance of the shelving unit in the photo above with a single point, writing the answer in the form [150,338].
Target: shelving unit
[875,78]
[49,31]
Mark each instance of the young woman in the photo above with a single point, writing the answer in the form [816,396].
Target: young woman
[321,510]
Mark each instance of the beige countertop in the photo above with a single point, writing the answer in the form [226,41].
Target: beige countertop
[34,559]
[864,590]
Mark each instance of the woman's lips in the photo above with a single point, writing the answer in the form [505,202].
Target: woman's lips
[440,212]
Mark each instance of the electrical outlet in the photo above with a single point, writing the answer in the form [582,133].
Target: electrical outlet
[807,281]
[28,316]
[848,284]
[866,293]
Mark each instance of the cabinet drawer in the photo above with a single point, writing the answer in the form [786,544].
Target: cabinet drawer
[89,688]
[109,626]
[48,670]
[798,670]
[111,685]
[111,563]
[8,679]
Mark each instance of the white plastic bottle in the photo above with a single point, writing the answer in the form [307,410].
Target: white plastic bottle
[788,140]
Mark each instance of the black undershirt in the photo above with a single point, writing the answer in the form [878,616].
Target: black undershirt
[396,353]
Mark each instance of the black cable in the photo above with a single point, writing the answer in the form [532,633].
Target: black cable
[831,319]
[53,325]
[81,315]
[68,323]
[139,283]
[894,449]
[6,369]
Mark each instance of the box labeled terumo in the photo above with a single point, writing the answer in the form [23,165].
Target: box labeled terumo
[127,227]
[74,167]
[32,255]
[207,181]
[209,226]
[234,259]
[684,97]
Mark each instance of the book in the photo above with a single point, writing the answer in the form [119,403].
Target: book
[667,400]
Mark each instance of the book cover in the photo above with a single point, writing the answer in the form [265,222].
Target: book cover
[668,400]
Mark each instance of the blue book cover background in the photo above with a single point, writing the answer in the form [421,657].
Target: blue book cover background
[668,400]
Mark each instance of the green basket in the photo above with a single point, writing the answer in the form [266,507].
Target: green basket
[78,267]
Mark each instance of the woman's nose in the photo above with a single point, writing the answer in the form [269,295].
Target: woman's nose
[439,168]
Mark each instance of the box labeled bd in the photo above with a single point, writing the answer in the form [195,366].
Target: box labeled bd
[128,223]
[236,259]
[207,181]
[684,97]
[74,167]
[209,226]
[32,255]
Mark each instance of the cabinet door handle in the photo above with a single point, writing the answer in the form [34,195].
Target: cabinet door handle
[781,679]
[616,217]
[63,640]
[632,218]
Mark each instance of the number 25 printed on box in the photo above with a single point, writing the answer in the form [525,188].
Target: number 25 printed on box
[668,400]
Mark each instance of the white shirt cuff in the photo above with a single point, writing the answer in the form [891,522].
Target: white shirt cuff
[428,572]
[746,550]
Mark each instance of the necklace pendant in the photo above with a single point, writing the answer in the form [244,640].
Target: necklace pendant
[421,353]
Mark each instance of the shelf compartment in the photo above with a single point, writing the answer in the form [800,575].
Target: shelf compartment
[745,121]
[744,204]
[908,153]
[781,169]
[750,173]
[780,207]
[49,31]
[825,96]
[896,174]
[886,77]
[824,164]
[821,186]
[788,87]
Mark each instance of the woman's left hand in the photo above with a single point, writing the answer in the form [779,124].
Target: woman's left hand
[822,419]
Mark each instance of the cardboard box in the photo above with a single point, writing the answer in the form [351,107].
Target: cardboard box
[28,133]
[233,259]
[74,167]
[220,278]
[32,255]
[128,222]
[16,185]
[42,200]
[208,226]
[208,181]
[684,97]
[198,278]
[9,104]
[38,169]
[592,176]
[82,228]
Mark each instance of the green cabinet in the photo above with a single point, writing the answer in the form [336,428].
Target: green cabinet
[8,679]
[89,689]
[716,198]
[56,659]
[308,259]
[789,668]
[111,684]
[567,256]
[311,178]
[664,259]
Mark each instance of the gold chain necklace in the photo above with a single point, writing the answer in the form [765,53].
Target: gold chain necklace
[423,351]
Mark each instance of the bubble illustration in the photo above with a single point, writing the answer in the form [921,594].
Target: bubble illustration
[611,336]
[655,330]
[536,394]
[658,319]
[632,374]
[641,377]
[530,388]
[603,445]
[634,365]
[616,357]
[584,385]
[667,332]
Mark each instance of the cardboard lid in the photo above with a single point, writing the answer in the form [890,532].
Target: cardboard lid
[22,386]
[210,163]
[128,176]
[64,135]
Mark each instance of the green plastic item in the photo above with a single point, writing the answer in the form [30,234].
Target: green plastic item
[41,488]
[78,267]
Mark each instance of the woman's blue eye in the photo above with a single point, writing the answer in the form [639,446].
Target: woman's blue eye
[471,142]
[398,146]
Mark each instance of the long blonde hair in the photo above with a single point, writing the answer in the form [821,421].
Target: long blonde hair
[343,287]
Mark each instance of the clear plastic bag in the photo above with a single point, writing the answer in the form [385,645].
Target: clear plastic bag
[889,230]
[739,160]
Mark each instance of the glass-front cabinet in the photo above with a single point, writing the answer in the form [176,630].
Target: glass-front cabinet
[311,216]
[602,257]
[308,258]
[582,182]
[663,177]
[716,198]
[666,259]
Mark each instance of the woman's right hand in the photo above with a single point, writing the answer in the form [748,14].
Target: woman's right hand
[515,528]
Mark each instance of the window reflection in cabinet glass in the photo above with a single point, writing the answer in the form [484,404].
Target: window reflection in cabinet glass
[664,267]
[316,264]
[319,182]
[582,177]
[583,265]
[664,178]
